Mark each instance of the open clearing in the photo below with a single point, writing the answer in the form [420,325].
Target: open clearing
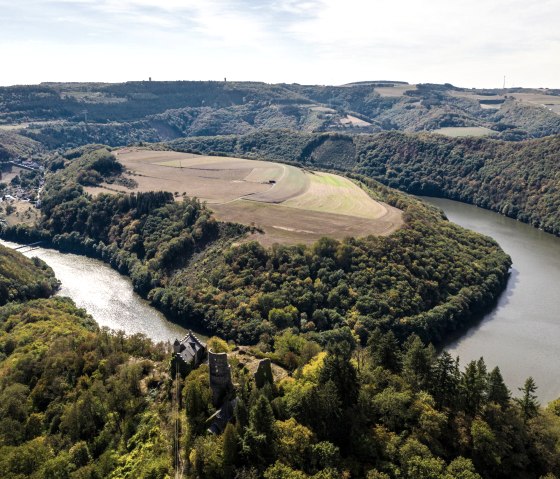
[394,91]
[459,131]
[551,102]
[290,205]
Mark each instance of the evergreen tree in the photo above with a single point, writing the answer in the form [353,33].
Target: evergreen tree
[473,387]
[528,402]
[258,443]
[497,390]
[417,363]
[444,384]
[339,369]
[230,449]
[384,350]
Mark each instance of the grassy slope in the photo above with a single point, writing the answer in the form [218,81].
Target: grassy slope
[13,145]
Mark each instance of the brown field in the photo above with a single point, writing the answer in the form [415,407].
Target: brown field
[288,204]
[354,121]
[394,91]
[282,224]
[25,213]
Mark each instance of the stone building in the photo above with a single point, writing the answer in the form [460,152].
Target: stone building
[188,354]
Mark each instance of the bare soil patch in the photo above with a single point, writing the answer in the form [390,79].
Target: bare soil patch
[394,91]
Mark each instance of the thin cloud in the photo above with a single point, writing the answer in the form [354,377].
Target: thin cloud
[312,41]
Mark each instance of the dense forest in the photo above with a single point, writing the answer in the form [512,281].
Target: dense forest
[77,401]
[518,179]
[430,278]
[381,411]
[22,278]
[80,402]
[364,395]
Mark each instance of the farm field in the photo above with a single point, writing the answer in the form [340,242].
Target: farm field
[330,193]
[460,131]
[395,91]
[288,204]
[353,121]
[552,102]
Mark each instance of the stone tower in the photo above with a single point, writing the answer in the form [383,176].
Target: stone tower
[220,377]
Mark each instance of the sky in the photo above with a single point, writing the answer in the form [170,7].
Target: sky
[472,43]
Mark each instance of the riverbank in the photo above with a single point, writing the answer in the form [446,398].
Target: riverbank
[105,294]
[522,332]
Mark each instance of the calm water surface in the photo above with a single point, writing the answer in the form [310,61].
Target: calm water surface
[522,334]
[105,294]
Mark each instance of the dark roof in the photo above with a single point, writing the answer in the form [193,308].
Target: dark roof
[190,345]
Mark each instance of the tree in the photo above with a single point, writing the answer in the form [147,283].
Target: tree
[196,405]
[417,363]
[293,442]
[230,449]
[206,457]
[485,445]
[259,439]
[497,390]
[339,369]
[528,402]
[461,468]
[384,350]
[324,455]
[473,386]
[281,471]
[444,384]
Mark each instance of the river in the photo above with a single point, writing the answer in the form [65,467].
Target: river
[521,334]
[105,294]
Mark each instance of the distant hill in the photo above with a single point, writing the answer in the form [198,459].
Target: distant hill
[63,115]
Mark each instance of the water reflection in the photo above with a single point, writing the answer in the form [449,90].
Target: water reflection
[105,294]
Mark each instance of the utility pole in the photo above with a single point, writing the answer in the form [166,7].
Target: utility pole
[85,112]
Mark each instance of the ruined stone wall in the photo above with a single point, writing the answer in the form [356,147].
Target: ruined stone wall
[220,377]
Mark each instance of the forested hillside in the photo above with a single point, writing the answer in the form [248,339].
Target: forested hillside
[65,115]
[348,321]
[22,278]
[14,146]
[518,179]
[431,277]
[77,401]
[383,411]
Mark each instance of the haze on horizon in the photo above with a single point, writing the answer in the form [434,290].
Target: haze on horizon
[467,43]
